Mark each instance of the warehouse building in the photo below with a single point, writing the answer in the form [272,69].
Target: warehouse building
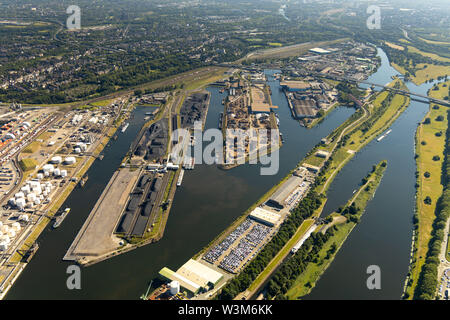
[319,51]
[295,86]
[305,108]
[322,154]
[265,216]
[193,276]
[278,198]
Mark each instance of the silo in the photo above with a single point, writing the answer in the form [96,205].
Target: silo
[174,287]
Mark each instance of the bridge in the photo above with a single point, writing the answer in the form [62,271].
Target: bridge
[414,96]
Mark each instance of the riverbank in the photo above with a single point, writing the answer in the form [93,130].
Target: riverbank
[430,154]
[307,280]
[383,109]
[30,239]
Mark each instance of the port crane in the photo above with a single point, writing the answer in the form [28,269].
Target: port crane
[144,296]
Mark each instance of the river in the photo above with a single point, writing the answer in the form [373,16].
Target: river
[383,237]
[211,198]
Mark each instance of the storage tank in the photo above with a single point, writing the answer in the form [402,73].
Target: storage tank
[40,176]
[77,150]
[5,238]
[174,287]
[48,168]
[46,174]
[12,202]
[11,233]
[70,160]
[24,217]
[16,226]
[25,189]
[37,201]
[19,195]
[4,229]
[57,172]
[63,173]
[56,160]
[20,203]
[3,246]
[31,197]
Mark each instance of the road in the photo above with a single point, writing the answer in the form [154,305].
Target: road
[350,126]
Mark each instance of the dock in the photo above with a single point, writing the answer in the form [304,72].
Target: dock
[95,239]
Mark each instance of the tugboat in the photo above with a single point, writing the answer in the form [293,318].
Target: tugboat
[83,180]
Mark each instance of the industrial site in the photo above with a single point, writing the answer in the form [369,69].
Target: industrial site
[45,154]
[202,277]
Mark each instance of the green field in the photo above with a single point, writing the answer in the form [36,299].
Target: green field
[32,147]
[28,164]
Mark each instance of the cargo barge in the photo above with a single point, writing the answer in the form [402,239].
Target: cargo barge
[180,178]
[125,127]
[61,218]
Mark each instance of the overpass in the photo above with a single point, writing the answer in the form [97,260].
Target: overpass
[414,96]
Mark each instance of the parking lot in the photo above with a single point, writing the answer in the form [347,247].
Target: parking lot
[241,245]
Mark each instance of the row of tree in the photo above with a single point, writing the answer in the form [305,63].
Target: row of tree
[288,228]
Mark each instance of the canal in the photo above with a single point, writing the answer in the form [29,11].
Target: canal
[211,198]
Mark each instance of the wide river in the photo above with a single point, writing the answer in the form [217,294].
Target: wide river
[210,199]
